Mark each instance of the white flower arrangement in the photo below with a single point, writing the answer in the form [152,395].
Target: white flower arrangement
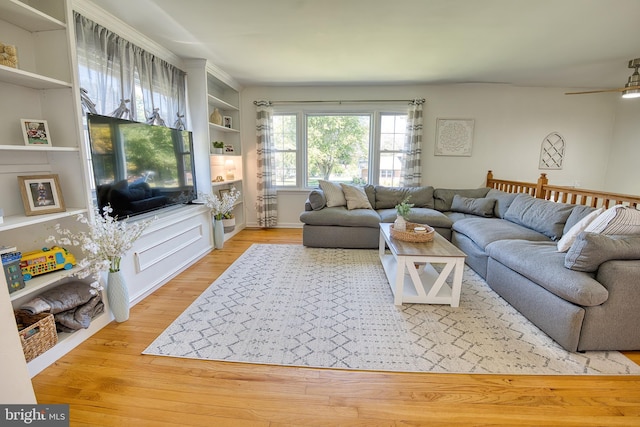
[221,207]
[104,245]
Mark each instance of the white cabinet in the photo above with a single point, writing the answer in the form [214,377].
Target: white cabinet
[41,87]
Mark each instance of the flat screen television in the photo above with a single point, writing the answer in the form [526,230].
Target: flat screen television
[139,167]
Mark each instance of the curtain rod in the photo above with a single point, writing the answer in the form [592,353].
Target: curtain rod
[416,101]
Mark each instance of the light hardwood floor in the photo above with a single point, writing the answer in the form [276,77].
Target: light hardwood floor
[107,382]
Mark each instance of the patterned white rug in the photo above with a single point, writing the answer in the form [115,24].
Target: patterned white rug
[333,308]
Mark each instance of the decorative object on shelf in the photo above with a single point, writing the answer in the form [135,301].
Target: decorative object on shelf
[37,333]
[552,151]
[8,55]
[229,222]
[217,147]
[123,112]
[220,206]
[216,117]
[35,132]
[104,245]
[226,120]
[155,119]
[219,178]
[179,124]
[454,137]
[41,194]
[87,104]
[403,209]
[11,266]
[46,260]
[228,149]
[230,167]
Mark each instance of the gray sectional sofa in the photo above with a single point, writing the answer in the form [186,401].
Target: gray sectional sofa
[585,299]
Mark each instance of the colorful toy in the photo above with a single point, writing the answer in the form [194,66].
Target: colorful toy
[39,262]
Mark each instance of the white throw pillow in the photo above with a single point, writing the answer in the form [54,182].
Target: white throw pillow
[618,219]
[570,236]
[333,193]
[356,197]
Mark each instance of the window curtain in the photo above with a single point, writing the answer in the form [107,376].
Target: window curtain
[123,80]
[267,202]
[411,171]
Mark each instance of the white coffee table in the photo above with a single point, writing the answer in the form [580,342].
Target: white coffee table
[411,275]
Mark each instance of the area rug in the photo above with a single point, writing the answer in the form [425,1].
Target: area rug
[333,308]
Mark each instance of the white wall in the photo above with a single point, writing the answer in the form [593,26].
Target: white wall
[510,124]
[623,171]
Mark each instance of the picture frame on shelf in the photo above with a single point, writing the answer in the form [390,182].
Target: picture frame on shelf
[224,191]
[227,121]
[228,149]
[41,194]
[36,132]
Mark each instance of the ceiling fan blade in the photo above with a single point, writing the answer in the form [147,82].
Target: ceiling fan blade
[620,89]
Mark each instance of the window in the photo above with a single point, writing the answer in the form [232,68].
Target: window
[358,147]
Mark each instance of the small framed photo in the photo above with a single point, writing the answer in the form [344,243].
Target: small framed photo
[226,121]
[224,191]
[228,149]
[41,194]
[35,132]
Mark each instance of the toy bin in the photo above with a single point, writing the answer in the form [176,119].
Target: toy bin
[12,270]
[37,333]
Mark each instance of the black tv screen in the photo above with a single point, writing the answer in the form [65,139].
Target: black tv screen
[139,167]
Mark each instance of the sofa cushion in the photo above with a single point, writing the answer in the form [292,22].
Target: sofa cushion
[541,263]
[317,200]
[427,216]
[503,201]
[538,214]
[333,193]
[592,249]
[340,215]
[476,206]
[577,214]
[486,230]
[443,197]
[389,197]
[569,236]
[616,220]
[356,197]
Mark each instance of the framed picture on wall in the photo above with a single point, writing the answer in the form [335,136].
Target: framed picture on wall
[454,137]
[41,194]
[35,132]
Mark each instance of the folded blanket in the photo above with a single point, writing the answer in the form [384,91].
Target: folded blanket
[79,317]
[61,298]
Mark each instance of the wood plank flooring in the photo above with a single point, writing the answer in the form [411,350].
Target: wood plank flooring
[107,382]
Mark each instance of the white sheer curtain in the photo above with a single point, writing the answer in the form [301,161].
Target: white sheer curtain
[118,75]
[411,172]
[267,201]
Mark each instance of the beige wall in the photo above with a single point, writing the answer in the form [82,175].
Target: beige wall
[510,124]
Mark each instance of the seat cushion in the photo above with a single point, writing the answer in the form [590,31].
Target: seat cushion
[541,263]
[486,230]
[340,215]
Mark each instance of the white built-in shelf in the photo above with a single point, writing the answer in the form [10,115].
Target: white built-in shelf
[16,221]
[219,103]
[222,128]
[42,281]
[31,80]
[28,18]
[221,183]
[36,148]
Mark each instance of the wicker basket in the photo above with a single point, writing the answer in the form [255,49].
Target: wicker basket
[411,236]
[37,333]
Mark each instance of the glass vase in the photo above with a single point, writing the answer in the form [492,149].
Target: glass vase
[118,295]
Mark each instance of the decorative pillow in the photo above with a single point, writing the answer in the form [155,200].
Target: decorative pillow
[541,215]
[317,200]
[570,236]
[443,197]
[503,201]
[592,249]
[618,219]
[333,193]
[475,206]
[356,197]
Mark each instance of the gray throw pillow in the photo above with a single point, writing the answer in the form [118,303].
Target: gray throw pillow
[475,206]
[503,201]
[592,249]
[317,200]
[541,215]
[443,197]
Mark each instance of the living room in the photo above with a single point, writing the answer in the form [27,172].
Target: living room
[511,120]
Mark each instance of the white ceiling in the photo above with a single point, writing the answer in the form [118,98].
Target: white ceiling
[556,43]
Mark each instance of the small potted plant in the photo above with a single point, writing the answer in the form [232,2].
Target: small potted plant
[403,209]
[218,146]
